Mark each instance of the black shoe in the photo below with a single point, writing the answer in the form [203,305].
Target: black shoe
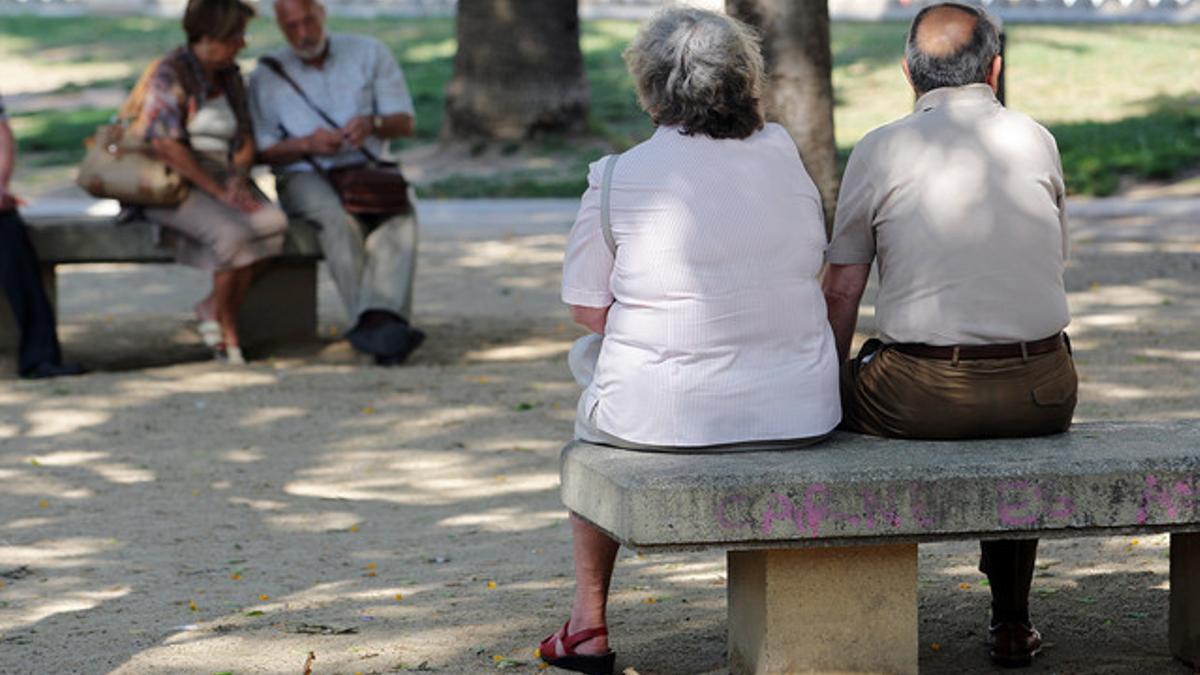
[1014,643]
[415,337]
[44,371]
[379,334]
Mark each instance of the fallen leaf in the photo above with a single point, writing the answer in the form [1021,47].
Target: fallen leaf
[649,601]
[312,656]
[192,605]
[354,528]
[44,504]
[399,597]
[491,585]
[264,597]
[371,566]
[937,646]
[235,576]
[964,586]
[368,410]
[255,612]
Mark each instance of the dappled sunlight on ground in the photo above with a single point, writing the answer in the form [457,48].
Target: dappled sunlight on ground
[168,514]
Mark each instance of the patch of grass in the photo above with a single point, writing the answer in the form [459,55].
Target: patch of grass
[60,132]
[524,184]
[1156,146]
[1121,99]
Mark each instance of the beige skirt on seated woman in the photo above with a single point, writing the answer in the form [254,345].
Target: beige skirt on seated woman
[211,236]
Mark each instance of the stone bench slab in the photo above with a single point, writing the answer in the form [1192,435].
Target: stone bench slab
[1097,479]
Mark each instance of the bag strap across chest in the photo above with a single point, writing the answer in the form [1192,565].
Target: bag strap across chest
[605,199]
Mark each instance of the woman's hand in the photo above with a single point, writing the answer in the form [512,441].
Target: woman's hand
[237,195]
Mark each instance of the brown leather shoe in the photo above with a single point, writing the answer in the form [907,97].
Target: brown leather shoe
[1014,643]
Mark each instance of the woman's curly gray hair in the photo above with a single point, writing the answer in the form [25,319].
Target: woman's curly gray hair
[700,71]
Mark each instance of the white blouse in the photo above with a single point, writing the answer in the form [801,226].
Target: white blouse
[717,331]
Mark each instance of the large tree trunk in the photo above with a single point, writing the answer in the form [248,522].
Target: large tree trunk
[799,84]
[518,71]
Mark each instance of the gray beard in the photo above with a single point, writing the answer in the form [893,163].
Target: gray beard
[314,52]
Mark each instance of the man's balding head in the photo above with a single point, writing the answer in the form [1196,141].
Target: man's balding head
[950,45]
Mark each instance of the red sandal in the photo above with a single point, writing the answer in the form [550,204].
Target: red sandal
[591,664]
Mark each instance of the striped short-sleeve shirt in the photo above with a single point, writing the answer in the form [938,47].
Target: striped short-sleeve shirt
[717,330]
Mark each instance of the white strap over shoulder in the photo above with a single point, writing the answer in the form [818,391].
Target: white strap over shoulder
[605,189]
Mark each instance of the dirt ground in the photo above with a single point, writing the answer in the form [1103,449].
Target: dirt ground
[167,514]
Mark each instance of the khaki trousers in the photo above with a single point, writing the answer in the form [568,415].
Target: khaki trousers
[372,259]
[889,393]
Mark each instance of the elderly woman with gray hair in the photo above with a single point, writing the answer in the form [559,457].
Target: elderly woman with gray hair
[694,261]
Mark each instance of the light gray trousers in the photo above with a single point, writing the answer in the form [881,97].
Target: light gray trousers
[373,260]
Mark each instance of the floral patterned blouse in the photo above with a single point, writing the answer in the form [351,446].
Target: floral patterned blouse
[173,88]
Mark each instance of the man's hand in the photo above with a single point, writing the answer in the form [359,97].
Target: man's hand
[357,130]
[325,142]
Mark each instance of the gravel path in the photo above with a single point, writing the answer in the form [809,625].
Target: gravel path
[169,515]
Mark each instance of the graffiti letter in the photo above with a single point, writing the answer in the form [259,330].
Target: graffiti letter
[779,507]
[1017,503]
[722,512]
[817,511]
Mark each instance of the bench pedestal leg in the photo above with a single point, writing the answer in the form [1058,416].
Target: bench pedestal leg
[1184,633]
[281,305]
[823,610]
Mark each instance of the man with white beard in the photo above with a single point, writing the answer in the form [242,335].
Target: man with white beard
[354,99]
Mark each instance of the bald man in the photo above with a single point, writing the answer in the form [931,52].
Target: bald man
[960,204]
[355,81]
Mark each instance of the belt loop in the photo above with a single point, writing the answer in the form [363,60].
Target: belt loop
[954,358]
[1024,353]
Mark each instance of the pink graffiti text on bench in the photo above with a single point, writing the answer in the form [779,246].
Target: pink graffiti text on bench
[1172,497]
[1018,504]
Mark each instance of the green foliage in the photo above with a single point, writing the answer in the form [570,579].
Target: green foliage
[1121,99]
[1156,146]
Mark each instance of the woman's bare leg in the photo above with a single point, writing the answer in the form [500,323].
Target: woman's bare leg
[225,285]
[595,556]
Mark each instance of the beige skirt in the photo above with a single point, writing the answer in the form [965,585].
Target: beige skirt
[211,236]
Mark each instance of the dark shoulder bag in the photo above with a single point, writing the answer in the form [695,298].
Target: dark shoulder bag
[375,187]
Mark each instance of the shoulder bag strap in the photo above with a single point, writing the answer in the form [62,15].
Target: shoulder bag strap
[605,191]
[277,68]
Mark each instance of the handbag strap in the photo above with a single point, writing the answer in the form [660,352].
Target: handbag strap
[277,67]
[605,194]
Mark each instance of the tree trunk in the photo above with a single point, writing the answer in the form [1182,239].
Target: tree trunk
[518,71]
[799,81]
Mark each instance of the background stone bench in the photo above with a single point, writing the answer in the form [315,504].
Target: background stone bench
[281,306]
[822,561]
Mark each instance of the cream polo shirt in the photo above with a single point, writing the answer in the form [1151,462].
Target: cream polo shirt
[717,331]
[963,204]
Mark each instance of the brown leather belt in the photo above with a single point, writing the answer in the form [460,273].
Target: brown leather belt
[969,352]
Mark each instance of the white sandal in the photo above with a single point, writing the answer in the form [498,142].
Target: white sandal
[233,356]
[210,332]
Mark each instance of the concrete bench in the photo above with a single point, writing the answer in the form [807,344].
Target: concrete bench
[822,542]
[281,306]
